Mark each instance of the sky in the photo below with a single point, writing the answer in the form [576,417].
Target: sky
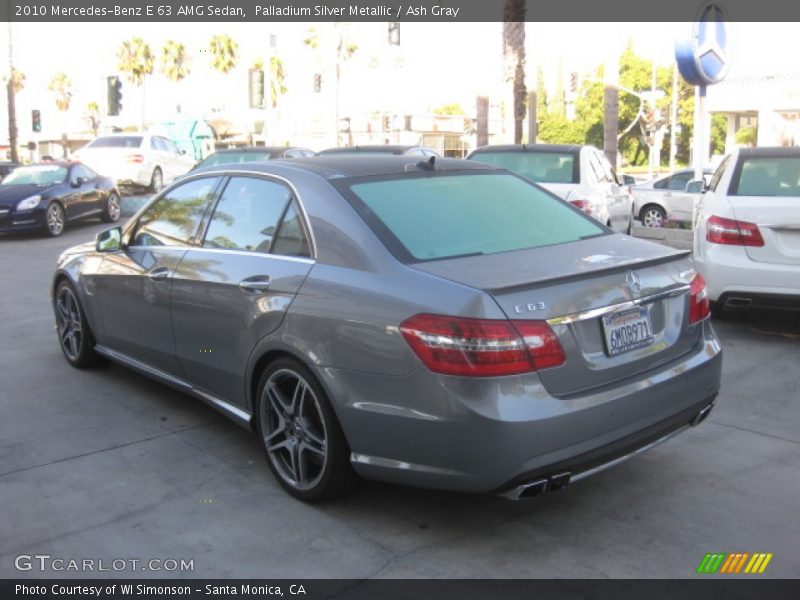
[434,65]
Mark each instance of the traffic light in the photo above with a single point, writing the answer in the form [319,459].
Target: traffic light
[114,95]
[387,123]
[573,82]
[394,33]
[36,121]
[317,83]
[256,88]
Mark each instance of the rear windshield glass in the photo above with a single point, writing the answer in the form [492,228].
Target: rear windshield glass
[769,176]
[544,167]
[228,158]
[117,141]
[446,216]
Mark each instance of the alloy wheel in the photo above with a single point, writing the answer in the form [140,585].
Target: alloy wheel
[69,324]
[113,207]
[55,219]
[294,429]
[653,218]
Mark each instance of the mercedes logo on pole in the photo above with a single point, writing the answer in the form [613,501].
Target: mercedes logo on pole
[705,57]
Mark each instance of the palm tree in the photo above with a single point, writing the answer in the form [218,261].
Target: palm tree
[224,53]
[16,83]
[277,80]
[514,57]
[174,63]
[62,86]
[93,117]
[136,61]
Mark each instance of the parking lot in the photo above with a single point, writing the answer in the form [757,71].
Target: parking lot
[106,464]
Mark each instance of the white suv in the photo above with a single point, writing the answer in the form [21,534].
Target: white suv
[137,159]
[581,175]
[747,238]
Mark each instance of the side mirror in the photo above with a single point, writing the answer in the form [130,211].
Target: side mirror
[78,182]
[696,186]
[182,151]
[109,240]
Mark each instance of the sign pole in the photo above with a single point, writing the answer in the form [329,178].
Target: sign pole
[700,143]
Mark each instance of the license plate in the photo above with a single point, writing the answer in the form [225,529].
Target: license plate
[627,330]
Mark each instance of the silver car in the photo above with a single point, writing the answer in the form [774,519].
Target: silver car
[435,323]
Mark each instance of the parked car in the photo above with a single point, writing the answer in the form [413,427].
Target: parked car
[581,175]
[666,197]
[464,331]
[379,149]
[252,154]
[747,238]
[6,168]
[139,160]
[47,196]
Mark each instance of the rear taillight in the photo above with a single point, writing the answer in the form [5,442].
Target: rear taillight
[482,347]
[136,158]
[699,307]
[583,205]
[720,230]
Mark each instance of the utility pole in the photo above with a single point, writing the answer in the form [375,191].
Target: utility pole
[673,121]
[12,99]
[532,124]
[482,125]
[611,109]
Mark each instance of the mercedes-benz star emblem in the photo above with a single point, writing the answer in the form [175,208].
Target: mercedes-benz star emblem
[634,282]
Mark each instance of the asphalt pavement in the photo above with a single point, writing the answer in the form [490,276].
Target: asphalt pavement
[106,464]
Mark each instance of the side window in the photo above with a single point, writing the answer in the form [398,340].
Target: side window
[718,174]
[663,184]
[155,144]
[678,182]
[247,215]
[169,146]
[174,218]
[595,173]
[293,154]
[291,239]
[605,168]
[88,173]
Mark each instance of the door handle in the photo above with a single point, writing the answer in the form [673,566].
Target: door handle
[159,274]
[257,284]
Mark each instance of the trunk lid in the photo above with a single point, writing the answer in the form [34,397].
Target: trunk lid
[562,190]
[778,220]
[573,286]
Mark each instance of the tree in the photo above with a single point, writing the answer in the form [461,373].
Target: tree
[92,116]
[174,63]
[135,60]
[15,84]
[224,53]
[453,108]
[514,58]
[62,86]
[277,80]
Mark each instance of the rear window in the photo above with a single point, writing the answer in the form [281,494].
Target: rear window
[228,158]
[452,215]
[544,167]
[768,176]
[121,141]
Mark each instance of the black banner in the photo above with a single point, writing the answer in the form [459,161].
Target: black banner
[441,11]
[740,588]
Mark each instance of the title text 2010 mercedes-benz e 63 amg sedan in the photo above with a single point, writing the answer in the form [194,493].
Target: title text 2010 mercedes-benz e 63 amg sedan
[435,322]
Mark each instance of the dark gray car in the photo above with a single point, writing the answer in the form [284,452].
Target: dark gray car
[443,323]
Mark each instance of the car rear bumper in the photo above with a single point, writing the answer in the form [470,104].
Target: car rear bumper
[482,435]
[729,272]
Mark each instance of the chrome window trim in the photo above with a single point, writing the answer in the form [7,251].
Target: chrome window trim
[305,222]
[604,310]
[300,259]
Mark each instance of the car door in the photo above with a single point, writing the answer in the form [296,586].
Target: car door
[180,163]
[89,189]
[133,285]
[679,202]
[235,289]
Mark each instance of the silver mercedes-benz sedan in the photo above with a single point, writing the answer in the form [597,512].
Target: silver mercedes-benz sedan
[435,322]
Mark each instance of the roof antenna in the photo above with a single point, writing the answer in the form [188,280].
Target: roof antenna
[428,165]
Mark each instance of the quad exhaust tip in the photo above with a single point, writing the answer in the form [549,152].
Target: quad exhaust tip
[539,487]
[736,302]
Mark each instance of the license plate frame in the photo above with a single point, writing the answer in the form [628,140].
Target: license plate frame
[627,330]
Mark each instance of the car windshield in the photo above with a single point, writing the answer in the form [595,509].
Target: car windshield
[117,141]
[227,158]
[543,167]
[769,176]
[452,215]
[36,175]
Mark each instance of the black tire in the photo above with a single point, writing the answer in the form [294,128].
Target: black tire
[75,337]
[156,180]
[54,220]
[652,215]
[290,424]
[112,209]
[629,230]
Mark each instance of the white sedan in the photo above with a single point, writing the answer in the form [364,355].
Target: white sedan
[666,198]
[136,159]
[747,238]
